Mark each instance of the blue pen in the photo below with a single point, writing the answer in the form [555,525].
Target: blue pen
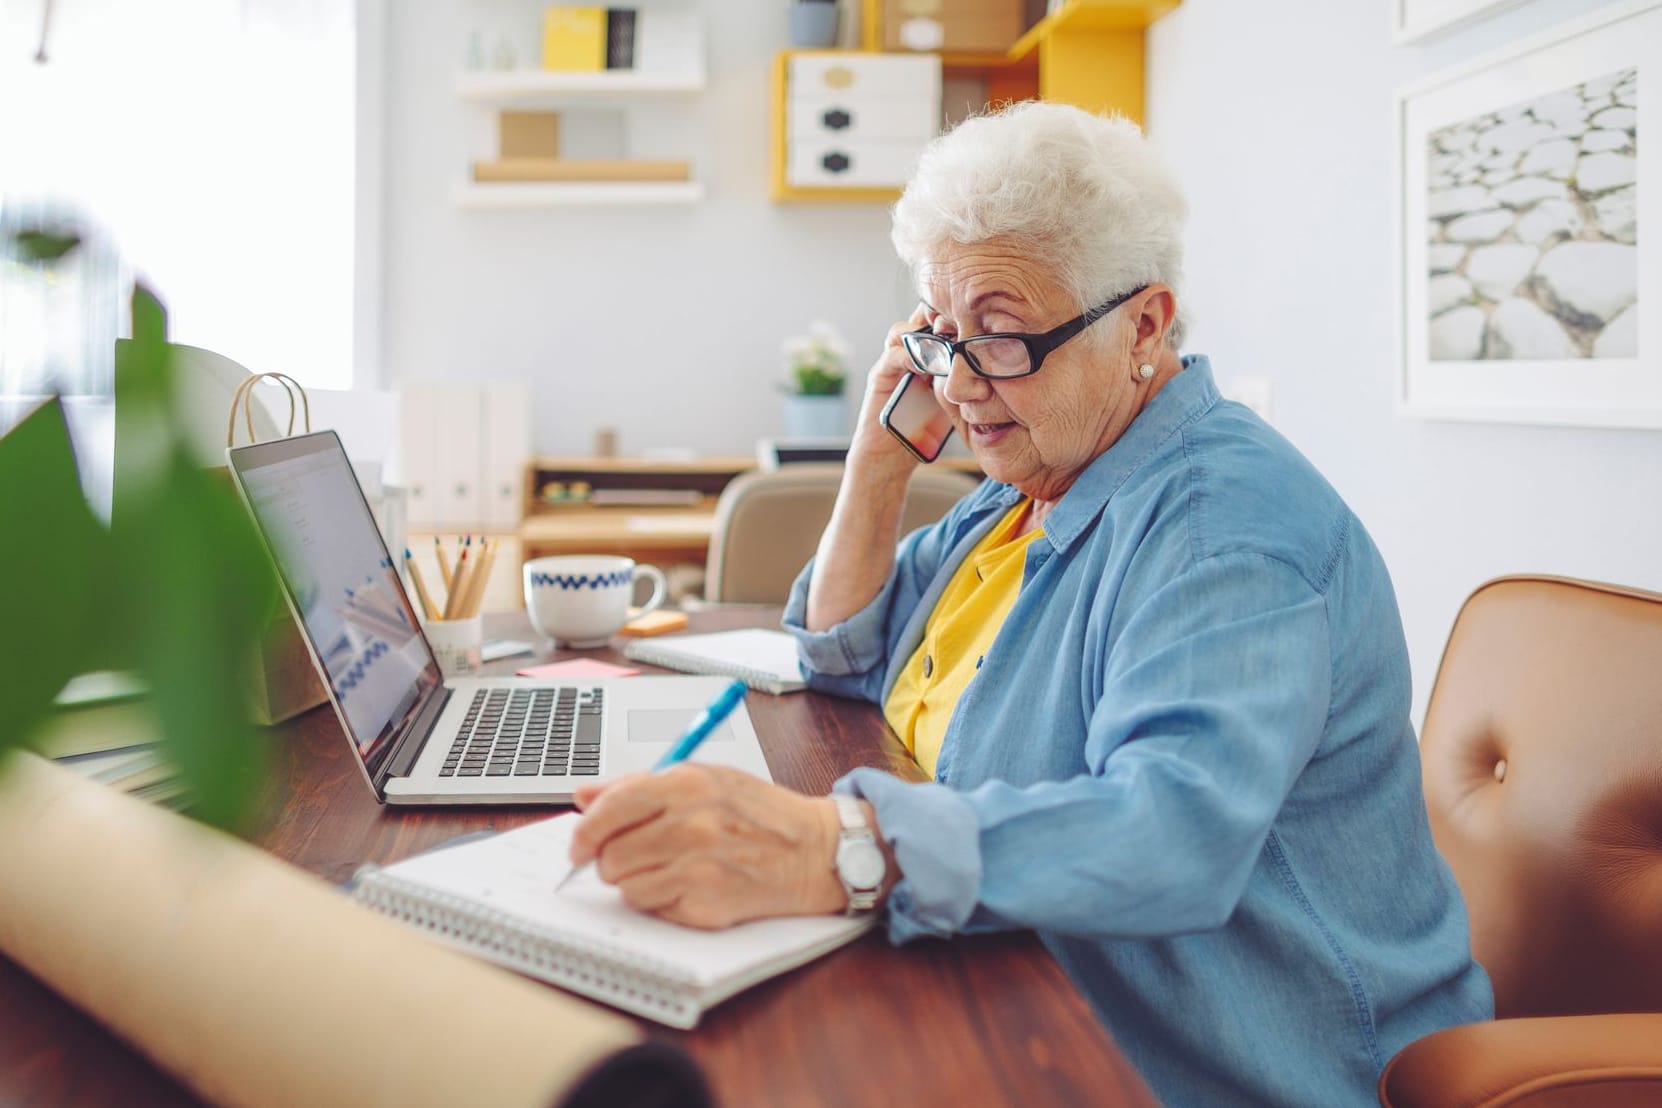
[699,730]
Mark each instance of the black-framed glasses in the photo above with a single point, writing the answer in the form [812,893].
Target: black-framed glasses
[1002,355]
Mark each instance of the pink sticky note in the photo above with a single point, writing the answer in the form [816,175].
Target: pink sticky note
[577,667]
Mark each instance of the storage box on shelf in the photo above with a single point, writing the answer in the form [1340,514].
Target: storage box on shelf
[464,455]
[953,26]
[848,125]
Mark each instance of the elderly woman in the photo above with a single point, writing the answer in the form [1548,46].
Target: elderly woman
[1154,665]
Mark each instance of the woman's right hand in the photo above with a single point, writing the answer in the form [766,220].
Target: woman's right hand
[856,553]
[872,445]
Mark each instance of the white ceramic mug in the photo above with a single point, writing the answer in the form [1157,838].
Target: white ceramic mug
[582,599]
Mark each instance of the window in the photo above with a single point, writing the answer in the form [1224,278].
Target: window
[210,144]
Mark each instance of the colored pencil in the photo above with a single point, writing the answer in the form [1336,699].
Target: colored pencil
[444,562]
[420,586]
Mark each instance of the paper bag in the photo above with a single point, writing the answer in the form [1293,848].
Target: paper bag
[285,681]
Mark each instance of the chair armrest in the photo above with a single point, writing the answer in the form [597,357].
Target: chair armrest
[1604,1060]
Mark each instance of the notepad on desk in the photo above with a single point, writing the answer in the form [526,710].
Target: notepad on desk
[495,898]
[763,659]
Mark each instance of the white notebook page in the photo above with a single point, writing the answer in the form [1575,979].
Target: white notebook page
[515,872]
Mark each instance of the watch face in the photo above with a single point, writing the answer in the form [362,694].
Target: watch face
[861,865]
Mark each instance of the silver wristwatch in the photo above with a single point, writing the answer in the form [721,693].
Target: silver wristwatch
[860,864]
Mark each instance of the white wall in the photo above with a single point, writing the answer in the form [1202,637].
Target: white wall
[663,322]
[1277,115]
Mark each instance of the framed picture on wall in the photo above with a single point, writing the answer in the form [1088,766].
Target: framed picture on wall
[1416,19]
[1524,182]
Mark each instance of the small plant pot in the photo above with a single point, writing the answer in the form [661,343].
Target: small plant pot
[812,25]
[815,417]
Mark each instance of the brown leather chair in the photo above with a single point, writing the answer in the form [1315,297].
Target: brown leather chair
[1542,756]
[768,524]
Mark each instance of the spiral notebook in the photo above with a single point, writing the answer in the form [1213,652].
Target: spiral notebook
[495,898]
[764,660]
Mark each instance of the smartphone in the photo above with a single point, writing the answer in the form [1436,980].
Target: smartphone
[913,417]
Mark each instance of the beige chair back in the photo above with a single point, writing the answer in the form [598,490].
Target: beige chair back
[768,525]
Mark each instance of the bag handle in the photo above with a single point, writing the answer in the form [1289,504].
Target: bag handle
[243,399]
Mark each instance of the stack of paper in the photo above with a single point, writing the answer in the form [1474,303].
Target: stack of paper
[105,730]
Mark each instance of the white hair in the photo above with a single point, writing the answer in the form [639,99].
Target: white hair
[1084,195]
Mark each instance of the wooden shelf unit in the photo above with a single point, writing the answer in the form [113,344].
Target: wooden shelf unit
[661,535]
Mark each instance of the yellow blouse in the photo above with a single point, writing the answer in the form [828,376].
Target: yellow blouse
[960,629]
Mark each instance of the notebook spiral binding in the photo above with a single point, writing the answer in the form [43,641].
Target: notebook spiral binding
[643,985]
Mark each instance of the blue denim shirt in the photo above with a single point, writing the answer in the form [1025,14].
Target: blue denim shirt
[1186,762]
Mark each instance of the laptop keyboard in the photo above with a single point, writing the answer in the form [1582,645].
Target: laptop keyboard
[541,732]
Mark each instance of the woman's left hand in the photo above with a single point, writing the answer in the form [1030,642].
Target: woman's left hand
[710,846]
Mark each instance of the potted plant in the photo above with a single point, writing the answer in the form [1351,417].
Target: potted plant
[175,588]
[813,24]
[814,401]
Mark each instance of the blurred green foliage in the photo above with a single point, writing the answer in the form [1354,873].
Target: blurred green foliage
[813,380]
[177,588]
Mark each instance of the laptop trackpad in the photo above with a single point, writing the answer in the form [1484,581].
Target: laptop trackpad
[665,725]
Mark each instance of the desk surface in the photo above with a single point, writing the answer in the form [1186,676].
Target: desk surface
[979,1020]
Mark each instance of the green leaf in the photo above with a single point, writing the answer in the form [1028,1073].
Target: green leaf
[202,589]
[56,589]
[43,246]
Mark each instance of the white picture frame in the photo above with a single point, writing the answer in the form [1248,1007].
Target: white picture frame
[1501,164]
[1412,20]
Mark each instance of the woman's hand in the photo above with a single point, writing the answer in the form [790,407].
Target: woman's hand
[709,846]
[870,440]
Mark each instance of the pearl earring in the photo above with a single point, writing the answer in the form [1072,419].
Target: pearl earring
[1145,371]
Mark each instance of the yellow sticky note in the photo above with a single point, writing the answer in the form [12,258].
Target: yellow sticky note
[654,623]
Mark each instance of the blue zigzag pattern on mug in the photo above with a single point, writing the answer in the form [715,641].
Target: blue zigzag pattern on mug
[582,580]
[354,674]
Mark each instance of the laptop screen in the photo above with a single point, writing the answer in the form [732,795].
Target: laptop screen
[352,605]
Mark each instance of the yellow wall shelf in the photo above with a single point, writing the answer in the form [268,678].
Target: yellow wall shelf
[1086,52]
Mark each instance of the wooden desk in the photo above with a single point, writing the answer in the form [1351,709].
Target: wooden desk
[975,1021]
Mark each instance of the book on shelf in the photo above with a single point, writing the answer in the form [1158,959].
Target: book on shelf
[763,659]
[496,898]
[620,38]
[581,169]
[574,39]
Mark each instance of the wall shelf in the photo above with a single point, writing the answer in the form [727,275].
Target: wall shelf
[1092,15]
[514,85]
[558,194]
[1086,52]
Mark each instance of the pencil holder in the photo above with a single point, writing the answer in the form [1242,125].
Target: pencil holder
[456,643]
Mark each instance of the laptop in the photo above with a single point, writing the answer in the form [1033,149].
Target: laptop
[421,738]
